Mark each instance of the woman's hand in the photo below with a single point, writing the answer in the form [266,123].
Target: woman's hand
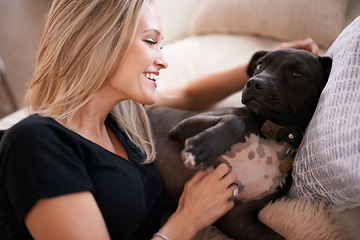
[206,195]
[205,199]
[306,44]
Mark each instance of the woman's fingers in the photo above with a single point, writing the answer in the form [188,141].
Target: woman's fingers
[306,44]
[216,181]
[208,195]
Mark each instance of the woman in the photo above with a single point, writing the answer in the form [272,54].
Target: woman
[80,166]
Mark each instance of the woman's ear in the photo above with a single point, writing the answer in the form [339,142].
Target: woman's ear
[253,62]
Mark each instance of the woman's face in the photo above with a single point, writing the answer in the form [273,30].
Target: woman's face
[136,77]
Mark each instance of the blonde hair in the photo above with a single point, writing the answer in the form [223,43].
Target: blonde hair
[83,44]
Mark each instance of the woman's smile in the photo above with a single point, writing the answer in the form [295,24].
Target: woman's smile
[152,76]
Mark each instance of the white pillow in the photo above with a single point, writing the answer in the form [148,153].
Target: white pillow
[327,167]
[322,20]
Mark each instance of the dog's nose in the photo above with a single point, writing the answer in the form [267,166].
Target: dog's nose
[256,84]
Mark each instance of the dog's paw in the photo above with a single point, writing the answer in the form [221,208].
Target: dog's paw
[198,154]
[189,160]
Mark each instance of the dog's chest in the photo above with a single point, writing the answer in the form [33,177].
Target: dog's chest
[257,163]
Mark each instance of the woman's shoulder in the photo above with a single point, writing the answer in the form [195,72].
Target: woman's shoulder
[33,123]
[35,119]
[32,127]
[40,137]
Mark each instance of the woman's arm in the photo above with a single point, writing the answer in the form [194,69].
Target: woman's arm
[71,216]
[77,216]
[206,90]
[205,199]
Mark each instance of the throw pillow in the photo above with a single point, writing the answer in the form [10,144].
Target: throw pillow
[327,167]
[322,20]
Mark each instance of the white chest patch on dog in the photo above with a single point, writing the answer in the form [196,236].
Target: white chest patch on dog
[257,163]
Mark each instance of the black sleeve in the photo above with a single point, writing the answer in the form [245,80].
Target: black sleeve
[37,162]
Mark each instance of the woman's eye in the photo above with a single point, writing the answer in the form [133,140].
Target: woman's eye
[151,42]
[297,75]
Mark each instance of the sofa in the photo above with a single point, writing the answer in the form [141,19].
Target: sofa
[205,36]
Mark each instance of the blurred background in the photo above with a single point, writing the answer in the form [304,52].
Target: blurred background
[21,26]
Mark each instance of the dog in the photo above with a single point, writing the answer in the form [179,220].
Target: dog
[258,141]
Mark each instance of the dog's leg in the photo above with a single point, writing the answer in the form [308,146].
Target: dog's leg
[192,126]
[243,223]
[195,124]
[207,136]
[168,153]
[203,148]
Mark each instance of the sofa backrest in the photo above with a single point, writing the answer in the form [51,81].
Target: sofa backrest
[175,17]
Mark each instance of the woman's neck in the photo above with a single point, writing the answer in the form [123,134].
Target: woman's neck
[89,121]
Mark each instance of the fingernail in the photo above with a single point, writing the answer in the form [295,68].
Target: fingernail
[308,40]
[209,169]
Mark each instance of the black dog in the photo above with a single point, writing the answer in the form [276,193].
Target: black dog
[258,141]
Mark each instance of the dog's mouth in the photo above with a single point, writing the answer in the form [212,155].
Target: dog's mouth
[256,107]
[254,101]
[265,108]
[253,104]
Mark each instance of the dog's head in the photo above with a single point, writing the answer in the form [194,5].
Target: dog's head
[285,85]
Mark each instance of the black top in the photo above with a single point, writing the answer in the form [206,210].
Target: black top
[41,158]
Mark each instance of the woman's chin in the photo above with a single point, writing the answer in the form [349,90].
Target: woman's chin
[148,99]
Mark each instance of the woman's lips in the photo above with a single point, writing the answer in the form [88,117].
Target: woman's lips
[152,76]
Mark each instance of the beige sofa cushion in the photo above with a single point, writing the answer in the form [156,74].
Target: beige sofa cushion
[322,20]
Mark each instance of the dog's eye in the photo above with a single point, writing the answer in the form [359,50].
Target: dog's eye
[297,75]
[259,64]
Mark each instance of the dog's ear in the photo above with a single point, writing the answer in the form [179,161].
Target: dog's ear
[253,62]
[326,63]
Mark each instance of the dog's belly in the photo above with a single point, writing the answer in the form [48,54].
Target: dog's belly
[257,163]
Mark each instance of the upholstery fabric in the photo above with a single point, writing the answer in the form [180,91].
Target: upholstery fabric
[322,20]
[327,167]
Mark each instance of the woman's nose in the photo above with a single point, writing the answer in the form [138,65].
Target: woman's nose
[161,61]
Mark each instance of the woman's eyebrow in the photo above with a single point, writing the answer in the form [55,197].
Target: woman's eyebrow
[154,30]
